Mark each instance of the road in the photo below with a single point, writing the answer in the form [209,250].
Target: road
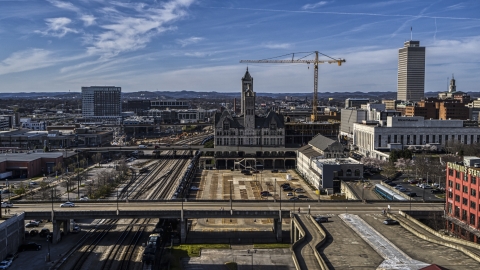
[330,207]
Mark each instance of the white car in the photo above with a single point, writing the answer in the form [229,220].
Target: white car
[67,204]
[84,199]
[5,264]
[7,204]
[194,188]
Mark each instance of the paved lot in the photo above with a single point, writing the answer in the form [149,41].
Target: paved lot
[344,249]
[264,259]
[215,185]
[420,249]
[365,190]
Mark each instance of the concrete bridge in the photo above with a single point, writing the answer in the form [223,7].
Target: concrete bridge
[61,219]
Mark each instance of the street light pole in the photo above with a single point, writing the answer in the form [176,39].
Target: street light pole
[274,200]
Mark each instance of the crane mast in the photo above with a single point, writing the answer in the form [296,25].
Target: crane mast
[315,63]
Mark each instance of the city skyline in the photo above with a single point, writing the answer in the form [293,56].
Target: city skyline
[61,46]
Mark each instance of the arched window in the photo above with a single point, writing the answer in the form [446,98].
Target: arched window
[349,173]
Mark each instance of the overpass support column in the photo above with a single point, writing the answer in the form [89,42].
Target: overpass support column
[277,229]
[183,230]
[56,231]
[292,231]
[66,226]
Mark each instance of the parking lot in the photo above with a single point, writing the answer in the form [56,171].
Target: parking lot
[429,193]
[221,184]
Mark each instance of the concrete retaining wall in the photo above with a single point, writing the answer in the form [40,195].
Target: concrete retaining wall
[300,240]
[321,262]
[349,193]
[443,236]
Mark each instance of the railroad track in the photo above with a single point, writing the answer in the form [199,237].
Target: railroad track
[122,252]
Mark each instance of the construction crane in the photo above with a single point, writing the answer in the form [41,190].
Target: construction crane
[315,63]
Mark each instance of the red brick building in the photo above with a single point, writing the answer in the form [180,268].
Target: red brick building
[26,165]
[463,199]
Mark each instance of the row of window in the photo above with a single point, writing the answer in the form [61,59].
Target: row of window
[473,204]
[473,179]
[412,139]
[249,141]
[465,215]
[473,192]
[227,132]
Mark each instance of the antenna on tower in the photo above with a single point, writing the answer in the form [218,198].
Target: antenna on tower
[411,33]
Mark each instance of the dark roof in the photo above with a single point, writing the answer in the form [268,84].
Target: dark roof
[260,122]
[309,151]
[321,142]
[247,76]
[264,122]
[225,115]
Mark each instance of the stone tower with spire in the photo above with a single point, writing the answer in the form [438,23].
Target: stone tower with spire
[247,83]
[453,87]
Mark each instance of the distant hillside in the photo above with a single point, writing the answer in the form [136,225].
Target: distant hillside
[184,94]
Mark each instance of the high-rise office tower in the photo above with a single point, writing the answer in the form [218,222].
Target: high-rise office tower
[101,102]
[411,72]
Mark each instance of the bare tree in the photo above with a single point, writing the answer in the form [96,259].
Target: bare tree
[97,158]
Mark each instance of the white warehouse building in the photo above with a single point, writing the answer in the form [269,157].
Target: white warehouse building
[370,137]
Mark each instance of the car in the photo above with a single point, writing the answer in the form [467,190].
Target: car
[398,186]
[287,188]
[31,225]
[67,204]
[44,232]
[194,188]
[412,181]
[402,189]
[5,264]
[36,222]
[33,183]
[425,186]
[274,171]
[75,229]
[299,190]
[30,246]
[33,232]
[390,221]
[301,196]
[185,146]
[294,199]
[321,219]
[284,185]
[11,257]
[392,184]
[7,204]
[411,194]
[437,191]
[289,194]
[283,171]
[84,199]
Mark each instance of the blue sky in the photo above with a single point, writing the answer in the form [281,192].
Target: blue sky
[53,45]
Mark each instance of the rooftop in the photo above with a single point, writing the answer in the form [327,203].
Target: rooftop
[29,156]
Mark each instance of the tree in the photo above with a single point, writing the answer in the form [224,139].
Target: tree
[97,158]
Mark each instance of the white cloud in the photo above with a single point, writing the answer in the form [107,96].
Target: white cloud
[57,27]
[26,60]
[277,45]
[312,6]
[64,5]
[88,19]
[130,33]
[189,41]
[197,54]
